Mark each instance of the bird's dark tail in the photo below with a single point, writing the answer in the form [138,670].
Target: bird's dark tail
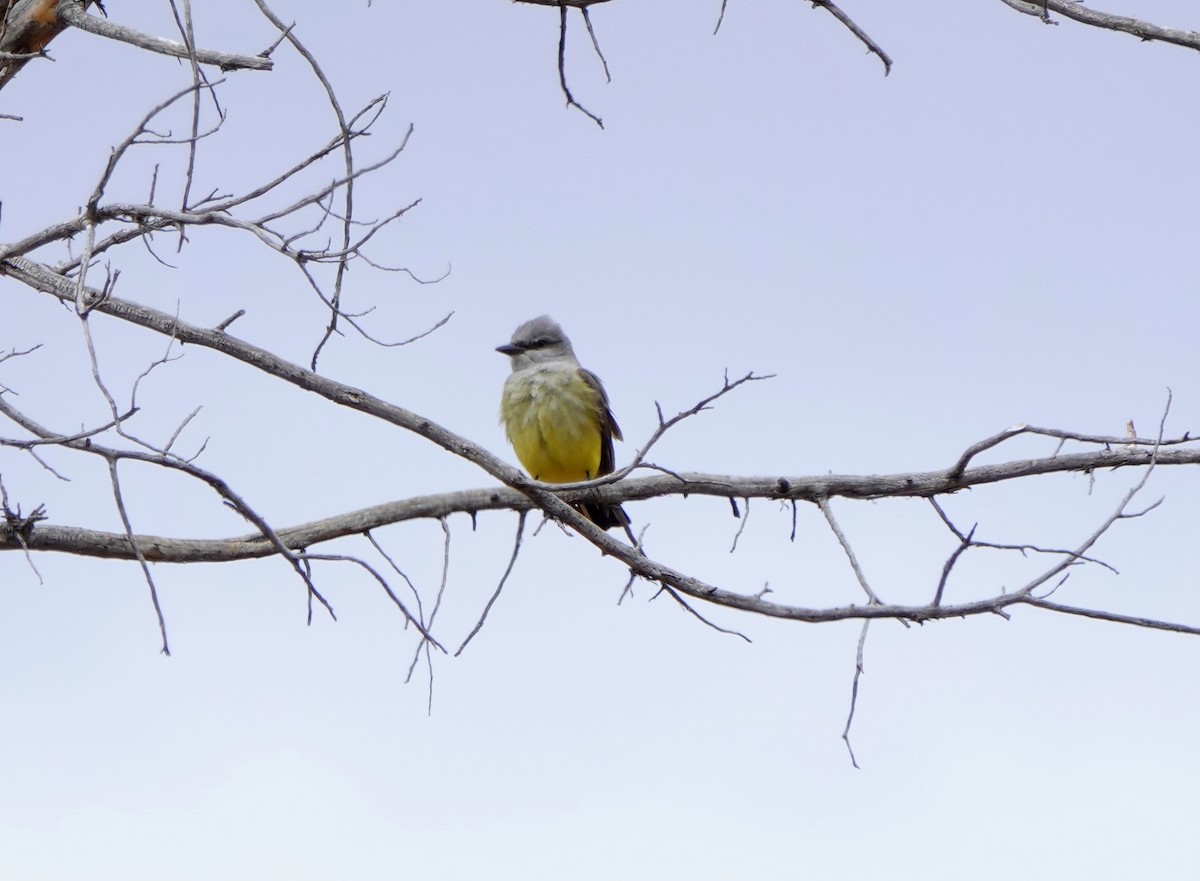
[605,516]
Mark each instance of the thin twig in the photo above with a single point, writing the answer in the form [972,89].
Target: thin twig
[1101,615]
[120,501]
[665,425]
[953,558]
[562,70]
[862,35]
[741,528]
[1126,442]
[1023,549]
[587,20]
[348,155]
[387,588]
[858,672]
[720,17]
[823,504]
[19,525]
[670,591]
[187,31]
[499,587]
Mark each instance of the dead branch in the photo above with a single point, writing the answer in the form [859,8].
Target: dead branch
[93,543]
[823,504]
[562,66]
[287,32]
[138,549]
[512,560]
[1076,11]
[96,543]
[850,25]
[72,13]
[858,672]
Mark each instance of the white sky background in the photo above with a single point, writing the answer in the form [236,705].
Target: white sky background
[1004,230]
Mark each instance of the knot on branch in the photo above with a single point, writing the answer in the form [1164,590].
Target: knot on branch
[18,525]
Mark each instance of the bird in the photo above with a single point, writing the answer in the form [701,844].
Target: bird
[556,414]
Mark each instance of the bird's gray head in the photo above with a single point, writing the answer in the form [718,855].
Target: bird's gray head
[537,341]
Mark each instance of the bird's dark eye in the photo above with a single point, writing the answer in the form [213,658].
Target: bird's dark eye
[540,343]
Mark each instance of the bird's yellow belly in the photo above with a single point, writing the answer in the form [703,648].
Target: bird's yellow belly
[553,424]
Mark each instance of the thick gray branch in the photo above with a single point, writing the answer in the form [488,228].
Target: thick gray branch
[1077,11]
[87,542]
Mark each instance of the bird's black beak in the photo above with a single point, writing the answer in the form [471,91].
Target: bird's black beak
[510,349]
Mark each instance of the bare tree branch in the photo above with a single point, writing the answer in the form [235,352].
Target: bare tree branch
[587,20]
[823,504]
[72,13]
[120,502]
[47,537]
[512,560]
[135,546]
[1076,11]
[853,27]
[858,672]
[335,300]
[19,526]
[562,67]
[1101,615]
[687,608]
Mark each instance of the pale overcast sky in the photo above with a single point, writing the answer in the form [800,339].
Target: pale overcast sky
[1003,230]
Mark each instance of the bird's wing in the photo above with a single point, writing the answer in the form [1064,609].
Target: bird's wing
[608,423]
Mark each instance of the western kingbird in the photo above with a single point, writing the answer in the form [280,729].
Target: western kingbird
[556,414]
